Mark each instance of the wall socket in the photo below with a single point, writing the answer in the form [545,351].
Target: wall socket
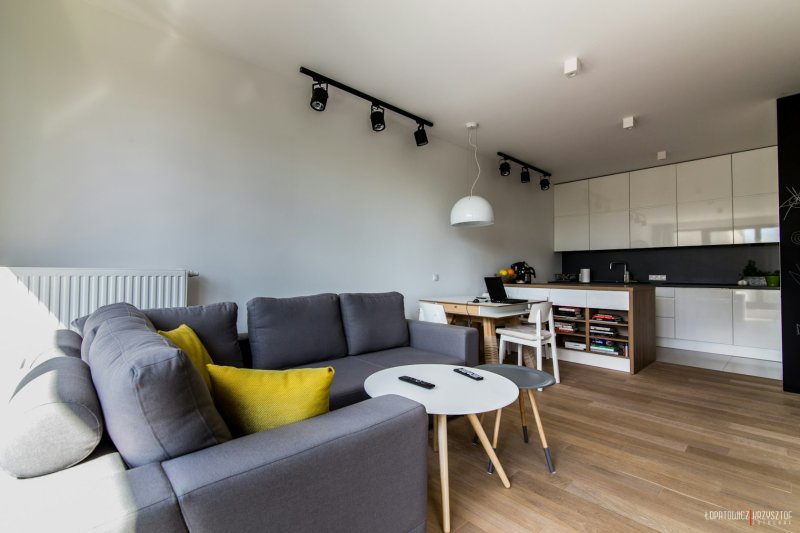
[657,277]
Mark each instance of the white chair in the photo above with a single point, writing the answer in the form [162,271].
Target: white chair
[430,312]
[533,335]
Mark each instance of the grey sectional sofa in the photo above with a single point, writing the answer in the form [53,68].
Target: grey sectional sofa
[114,431]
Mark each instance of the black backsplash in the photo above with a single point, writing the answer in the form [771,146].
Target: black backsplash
[695,264]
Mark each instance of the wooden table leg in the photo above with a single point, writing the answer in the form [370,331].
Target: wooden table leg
[489,341]
[522,416]
[443,471]
[541,433]
[496,435]
[489,451]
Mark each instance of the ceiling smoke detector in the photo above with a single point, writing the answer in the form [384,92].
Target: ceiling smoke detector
[571,67]
[628,122]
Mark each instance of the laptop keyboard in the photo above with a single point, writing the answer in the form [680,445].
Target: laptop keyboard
[510,301]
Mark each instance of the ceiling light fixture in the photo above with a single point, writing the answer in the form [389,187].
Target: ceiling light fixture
[376,117]
[571,67]
[525,175]
[420,136]
[472,211]
[319,99]
[628,122]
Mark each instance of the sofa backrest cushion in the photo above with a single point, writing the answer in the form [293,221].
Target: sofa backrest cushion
[155,403]
[373,321]
[214,324]
[53,419]
[288,332]
[92,322]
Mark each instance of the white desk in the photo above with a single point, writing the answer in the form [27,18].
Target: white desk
[488,314]
[454,394]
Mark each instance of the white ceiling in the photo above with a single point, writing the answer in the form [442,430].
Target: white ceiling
[701,76]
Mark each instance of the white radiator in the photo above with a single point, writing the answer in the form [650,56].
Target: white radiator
[69,293]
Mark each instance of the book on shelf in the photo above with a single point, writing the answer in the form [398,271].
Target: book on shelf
[607,317]
[572,345]
[574,313]
[565,327]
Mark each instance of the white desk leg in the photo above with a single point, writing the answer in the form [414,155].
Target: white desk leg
[443,471]
[489,451]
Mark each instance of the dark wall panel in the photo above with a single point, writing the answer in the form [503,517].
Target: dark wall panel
[789,198]
[698,264]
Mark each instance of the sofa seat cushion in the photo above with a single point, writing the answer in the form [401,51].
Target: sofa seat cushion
[53,419]
[155,402]
[408,356]
[214,324]
[348,381]
[373,321]
[91,323]
[288,332]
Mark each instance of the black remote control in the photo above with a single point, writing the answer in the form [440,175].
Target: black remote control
[469,373]
[417,382]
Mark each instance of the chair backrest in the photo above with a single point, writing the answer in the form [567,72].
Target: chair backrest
[540,313]
[430,312]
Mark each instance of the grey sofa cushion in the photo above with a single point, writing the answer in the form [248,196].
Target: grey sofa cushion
[156,404]
[53,420]
[215,325]
[287,332]
[373,321]
[348,380]
[96,319]
[409,356]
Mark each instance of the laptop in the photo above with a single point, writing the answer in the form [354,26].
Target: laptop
[497,293]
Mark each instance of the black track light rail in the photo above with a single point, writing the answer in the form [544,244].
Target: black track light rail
[524,164]
[319,78]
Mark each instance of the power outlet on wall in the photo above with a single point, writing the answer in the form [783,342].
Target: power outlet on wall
[657,277]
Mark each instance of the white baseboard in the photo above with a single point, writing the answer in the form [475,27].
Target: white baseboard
[724,349]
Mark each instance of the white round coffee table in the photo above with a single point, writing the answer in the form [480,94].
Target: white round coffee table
[453,394]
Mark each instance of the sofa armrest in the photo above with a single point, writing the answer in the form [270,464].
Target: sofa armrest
[457,341]
[359,468]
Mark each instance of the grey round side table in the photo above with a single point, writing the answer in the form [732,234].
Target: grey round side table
[526,379]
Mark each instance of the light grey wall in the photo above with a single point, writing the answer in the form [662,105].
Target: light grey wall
[124,145]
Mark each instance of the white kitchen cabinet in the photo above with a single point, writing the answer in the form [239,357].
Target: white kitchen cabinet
[705,222]
[609,193]
[665,307]
[704,179]
[571,198]
[653,187]
[704,315]
[652,227]
[665,327]
[665,292]
[571,233]
[755,218]
[757,318]
[609,231]
[616,300]
[569,297]
[755,172]
[528,293]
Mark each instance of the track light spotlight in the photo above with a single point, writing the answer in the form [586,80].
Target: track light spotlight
[525,175]
[376,117]
[420,136]
[544,183]
[319,97]
[505,168]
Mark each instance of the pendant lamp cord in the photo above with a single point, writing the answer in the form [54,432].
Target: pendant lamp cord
[475,153]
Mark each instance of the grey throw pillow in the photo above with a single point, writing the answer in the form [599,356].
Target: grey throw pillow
[215,325]
[155,402]
[373,321]
[96,319]
[288,332]
[53,420]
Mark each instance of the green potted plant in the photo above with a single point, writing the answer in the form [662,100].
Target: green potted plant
[752,275]
[774,279]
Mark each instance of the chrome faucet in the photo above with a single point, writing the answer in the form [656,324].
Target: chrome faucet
[626,276]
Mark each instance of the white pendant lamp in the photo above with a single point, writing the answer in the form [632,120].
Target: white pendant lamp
[472,211]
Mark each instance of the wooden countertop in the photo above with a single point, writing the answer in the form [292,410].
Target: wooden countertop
[631,287]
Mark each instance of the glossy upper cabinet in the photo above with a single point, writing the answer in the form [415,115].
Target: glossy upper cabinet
[653,214]
[705,202]
[608,212]
[755,196]
[571,220]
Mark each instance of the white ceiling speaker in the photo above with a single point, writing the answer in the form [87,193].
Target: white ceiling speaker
[571,67]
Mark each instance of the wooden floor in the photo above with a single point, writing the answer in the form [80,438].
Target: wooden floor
[654,451]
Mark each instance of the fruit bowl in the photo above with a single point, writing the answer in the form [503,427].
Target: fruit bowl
[508,278]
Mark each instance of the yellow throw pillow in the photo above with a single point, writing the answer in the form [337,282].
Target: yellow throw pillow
[256,400]
[187,340]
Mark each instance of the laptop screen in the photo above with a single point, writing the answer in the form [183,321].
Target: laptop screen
[494,286]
